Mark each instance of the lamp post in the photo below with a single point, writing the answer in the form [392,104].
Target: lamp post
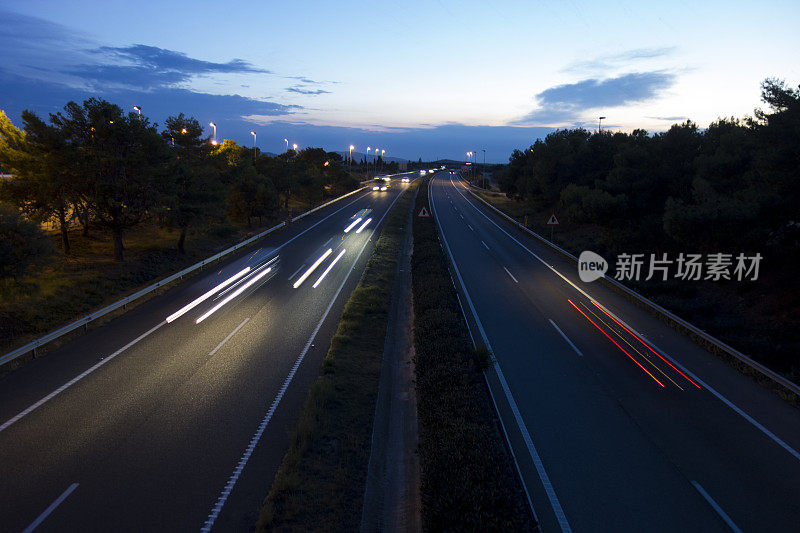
[294,147]
[255,148]
[382,152]
[600,124]
[367,160]
[138,110]
[214,140]
[350,163]
[287,144]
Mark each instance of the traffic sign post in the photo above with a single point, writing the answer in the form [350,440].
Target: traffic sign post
[552,222]
[423,212]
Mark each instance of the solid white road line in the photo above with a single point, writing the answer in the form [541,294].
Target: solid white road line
[510,274]
[79,377]
[226,339]
[296,272]
[312,268]
[523,429]
[325,272]
[51,508]
[558,329]
[226,491]
[470,227]
[688,372]
[722,514]
[484,245]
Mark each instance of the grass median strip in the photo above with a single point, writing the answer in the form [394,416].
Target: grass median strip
[320,483]
[468,477]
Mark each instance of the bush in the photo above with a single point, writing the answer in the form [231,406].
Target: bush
[22,243]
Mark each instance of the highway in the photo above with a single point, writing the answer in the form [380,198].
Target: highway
[176,415]
[617,422]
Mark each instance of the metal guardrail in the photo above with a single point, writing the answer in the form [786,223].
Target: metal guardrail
[84,321]
[718,344]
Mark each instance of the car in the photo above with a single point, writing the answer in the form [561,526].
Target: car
[379,184]
[423,172]
[406,179]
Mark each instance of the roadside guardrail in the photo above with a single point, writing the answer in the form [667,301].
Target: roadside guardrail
[84,321]
[657,309]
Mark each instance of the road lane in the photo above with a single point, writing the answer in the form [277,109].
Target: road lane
[153,435]
[622,451]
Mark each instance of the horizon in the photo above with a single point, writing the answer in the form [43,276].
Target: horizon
[426,89]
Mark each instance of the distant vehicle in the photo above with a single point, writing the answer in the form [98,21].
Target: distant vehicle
[406,179]
[380,184]
[422,172]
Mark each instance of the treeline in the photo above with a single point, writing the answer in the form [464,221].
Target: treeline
[97,168]
[734,186]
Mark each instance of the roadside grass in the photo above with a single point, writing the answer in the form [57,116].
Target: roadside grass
[468,481]
[761,320]
[320,483]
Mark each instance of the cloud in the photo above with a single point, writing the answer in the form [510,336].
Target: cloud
[147,67]
[565,104]
[670,119]
[45,97]
[609,62]
[299,89]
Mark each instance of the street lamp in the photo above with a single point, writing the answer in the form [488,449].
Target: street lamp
[294,147]
[138,110]
[255,149]
[382,152]
[214,140]
[287,144]
[600,124]
[350,162]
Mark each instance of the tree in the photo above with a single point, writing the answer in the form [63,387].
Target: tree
[191,188]
[44,175]
[21,243]
[251,195]
[122,161]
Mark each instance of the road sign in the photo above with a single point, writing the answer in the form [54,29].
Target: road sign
[552,221]
[423,212]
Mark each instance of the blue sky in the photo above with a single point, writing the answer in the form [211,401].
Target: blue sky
[420,79]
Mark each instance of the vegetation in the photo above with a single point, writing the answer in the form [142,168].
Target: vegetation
[320,483]
[113,186]
[731,188]
[468,478]
[21,244]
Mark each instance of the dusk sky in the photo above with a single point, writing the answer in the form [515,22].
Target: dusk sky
[419,79]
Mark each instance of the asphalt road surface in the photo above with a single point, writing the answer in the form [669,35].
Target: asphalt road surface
[618,423]
[149,425]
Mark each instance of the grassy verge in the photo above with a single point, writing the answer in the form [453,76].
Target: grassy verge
[320,483]
[468,478]
[756,319]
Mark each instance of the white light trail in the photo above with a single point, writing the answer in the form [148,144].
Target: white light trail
[182,311]
[356,221]
[364,225]
[311,269]
[329,268]
[233,295]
